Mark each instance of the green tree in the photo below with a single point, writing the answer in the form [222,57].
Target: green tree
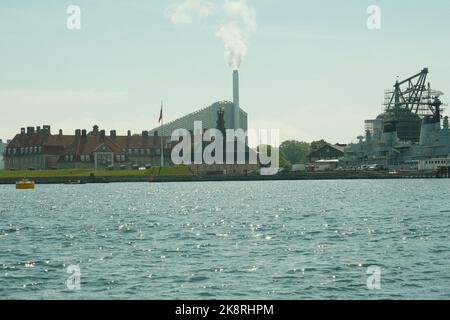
[316,145]
[285,164]
[295,151]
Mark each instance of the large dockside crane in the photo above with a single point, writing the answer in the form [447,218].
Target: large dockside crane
[417,97]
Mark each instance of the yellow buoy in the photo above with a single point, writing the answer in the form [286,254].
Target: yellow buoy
[25,184]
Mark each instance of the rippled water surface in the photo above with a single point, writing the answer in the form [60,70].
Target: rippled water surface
[234,240]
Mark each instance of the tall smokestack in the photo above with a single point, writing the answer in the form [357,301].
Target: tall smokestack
[237,122]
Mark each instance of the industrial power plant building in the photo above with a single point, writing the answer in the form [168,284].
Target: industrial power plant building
[208,117]
[235,117]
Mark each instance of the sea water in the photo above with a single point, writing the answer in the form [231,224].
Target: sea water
[227,240]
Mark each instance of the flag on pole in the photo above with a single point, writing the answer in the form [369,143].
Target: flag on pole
[161,114]
[161,121]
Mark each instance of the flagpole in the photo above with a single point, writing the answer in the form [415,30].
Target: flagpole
[162,135]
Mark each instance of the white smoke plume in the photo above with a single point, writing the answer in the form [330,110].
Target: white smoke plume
[240,23]
[186,11]
[237,31]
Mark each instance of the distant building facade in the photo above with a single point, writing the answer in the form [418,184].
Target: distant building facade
[39,149]
[2,150]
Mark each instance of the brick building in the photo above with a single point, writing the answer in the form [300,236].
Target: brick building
[37,148]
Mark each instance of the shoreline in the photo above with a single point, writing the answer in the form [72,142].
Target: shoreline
[280,177]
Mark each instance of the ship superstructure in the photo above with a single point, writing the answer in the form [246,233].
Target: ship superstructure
[411,128]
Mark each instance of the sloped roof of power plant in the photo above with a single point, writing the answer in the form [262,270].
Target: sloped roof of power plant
[227,105]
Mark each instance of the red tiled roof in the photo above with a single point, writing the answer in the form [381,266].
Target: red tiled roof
[88,144]
[79,145]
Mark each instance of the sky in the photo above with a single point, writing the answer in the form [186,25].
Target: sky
[312,68]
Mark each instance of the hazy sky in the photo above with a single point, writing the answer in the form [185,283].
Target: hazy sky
[313,69]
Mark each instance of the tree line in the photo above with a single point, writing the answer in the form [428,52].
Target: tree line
[296,152]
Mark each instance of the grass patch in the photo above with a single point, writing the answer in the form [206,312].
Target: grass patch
[44,173]
[152,172]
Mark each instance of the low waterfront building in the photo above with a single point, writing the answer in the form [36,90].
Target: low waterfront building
[327,152]
[433,164]
[39,149]
[326,165]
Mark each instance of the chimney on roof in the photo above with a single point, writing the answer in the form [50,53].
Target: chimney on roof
[102,135]
[145,134]
[38,129]
[84,133]
[22,130]
[30,130]
[129,133]
[60,133]
[95,129]
[77,133]
[113,134]
[47,129]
